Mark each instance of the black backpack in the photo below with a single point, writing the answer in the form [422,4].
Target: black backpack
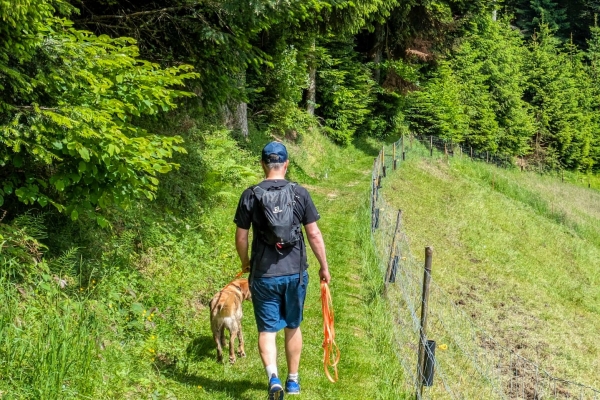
[278,208]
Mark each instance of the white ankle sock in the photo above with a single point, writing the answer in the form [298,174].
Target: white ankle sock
[271,369]
[293,377]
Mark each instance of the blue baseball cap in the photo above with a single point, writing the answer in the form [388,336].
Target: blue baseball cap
[274,152]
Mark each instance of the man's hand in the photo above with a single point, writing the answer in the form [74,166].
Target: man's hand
[324,275]
[246,267]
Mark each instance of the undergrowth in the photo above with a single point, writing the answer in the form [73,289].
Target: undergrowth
[121,313]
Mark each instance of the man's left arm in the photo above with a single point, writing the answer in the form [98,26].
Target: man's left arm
[317,244]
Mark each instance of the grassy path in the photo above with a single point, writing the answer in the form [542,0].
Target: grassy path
[368,367]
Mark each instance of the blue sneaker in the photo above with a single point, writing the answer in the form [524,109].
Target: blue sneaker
[292,387]
[275,388]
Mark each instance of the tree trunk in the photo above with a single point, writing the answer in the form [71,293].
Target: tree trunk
[378,51]
[235,113]
[241,118]
[311,96]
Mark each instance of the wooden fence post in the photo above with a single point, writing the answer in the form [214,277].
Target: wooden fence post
[403,153]
[423,329]
[388,271]
[394,157]
[430,146]
[373,203]
[446,152]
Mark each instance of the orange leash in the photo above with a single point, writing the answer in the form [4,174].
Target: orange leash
[239,274]
[331,355]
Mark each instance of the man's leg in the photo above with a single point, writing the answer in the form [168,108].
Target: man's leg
[293,349]
[267,348]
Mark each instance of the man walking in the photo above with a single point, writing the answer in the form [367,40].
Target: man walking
[276,209]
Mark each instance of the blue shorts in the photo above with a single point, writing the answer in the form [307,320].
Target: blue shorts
[278,302]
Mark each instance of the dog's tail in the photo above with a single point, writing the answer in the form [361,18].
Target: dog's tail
[215,308]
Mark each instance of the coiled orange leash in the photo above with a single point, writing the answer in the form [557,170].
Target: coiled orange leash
[331,355]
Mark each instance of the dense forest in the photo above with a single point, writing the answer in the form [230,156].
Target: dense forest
[84,83]
[123,122]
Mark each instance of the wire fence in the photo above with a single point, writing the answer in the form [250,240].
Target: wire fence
[537,164]
[468,363]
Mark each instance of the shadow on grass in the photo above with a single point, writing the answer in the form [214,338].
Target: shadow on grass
[362,144]
[233,388]
[203,349]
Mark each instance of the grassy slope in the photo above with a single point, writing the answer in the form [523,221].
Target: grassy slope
[132,322]
[368,361]
[366,364]
[518,252]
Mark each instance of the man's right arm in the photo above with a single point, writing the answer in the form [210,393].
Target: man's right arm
[317,244]
[243,221]
[241,245]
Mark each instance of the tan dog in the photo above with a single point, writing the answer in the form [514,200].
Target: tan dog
[226,313]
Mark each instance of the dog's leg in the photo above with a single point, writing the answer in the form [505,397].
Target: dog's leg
[240,335]
[218,337]
[232,335]
[223,341]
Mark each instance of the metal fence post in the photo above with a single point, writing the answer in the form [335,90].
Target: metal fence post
[423,329]
[388,272]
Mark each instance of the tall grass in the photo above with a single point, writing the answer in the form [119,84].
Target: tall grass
[48,346]
[575,207]
[122,313]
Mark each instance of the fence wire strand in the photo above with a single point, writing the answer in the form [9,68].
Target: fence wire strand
[468,363]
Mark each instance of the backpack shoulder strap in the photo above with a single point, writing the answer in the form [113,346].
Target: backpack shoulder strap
[258,192]
[294,186]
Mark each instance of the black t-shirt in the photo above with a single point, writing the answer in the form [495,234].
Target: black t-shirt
[266,260]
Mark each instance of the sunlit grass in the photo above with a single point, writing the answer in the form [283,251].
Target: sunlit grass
[133,321]
[519,252]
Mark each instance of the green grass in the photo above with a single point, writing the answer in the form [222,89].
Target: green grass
[132,322]
[516,251]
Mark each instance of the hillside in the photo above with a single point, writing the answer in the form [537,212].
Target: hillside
[516,252]
[123,313]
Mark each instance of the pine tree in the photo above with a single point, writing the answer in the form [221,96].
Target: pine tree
[532,13]
[490,64]
[559,90]
[438,109]
[593,57]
